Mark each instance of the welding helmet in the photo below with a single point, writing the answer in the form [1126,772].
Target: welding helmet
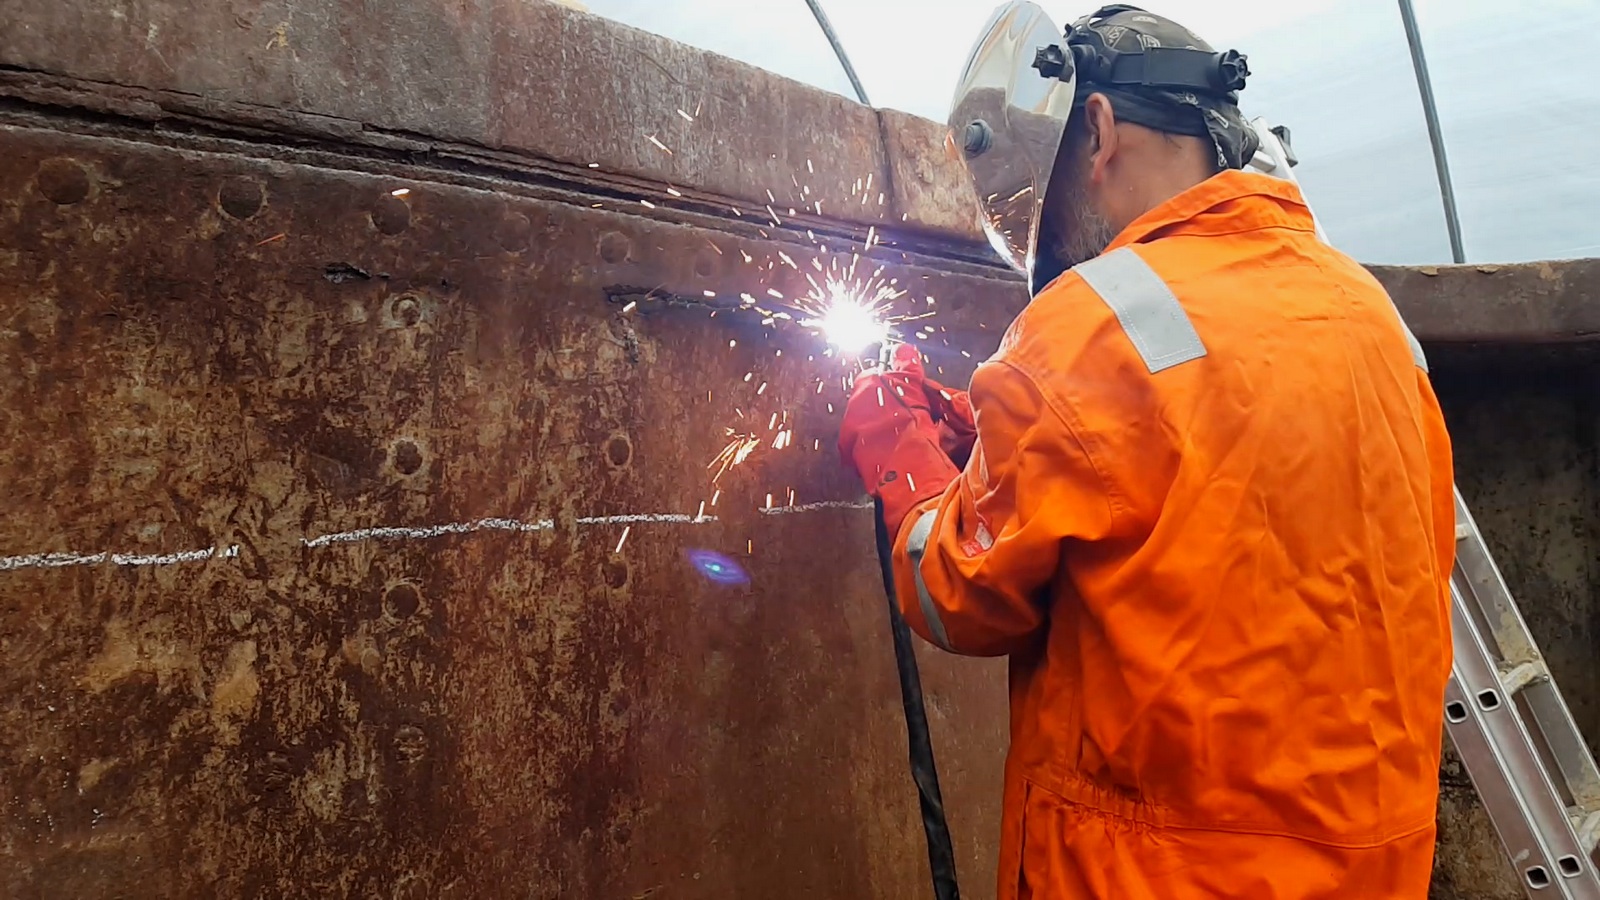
[1024,78]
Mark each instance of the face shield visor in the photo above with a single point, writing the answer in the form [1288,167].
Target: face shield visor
[1006,122]
[1017,92]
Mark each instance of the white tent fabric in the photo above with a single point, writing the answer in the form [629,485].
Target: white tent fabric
[1514,85]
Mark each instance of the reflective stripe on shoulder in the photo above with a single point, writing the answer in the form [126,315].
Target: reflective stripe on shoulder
[916,547]
[1417,356]
[1150,313]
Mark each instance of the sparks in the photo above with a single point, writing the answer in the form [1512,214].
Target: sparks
[400,192]
[737,450]
[624,540]
[652,139]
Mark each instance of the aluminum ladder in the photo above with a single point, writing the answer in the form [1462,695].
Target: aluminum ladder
[1503,711]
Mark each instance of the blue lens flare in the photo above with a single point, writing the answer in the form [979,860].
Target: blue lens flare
[717,568]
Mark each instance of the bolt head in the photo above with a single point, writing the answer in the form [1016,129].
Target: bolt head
[978,138]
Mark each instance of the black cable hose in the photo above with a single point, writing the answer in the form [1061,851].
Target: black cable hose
[941,855]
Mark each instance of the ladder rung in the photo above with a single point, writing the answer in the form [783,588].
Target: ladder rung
[1514,679]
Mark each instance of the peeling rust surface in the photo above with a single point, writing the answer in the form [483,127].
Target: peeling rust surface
[533,78]
[209,361]
[930,185]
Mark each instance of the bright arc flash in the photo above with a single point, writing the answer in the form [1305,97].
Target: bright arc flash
[851,327]
[850,316]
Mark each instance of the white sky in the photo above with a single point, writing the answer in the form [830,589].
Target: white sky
[1515,83]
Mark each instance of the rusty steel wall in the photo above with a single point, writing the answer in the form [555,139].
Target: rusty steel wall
[221,357]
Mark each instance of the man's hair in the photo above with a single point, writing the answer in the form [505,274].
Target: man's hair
[1075,141]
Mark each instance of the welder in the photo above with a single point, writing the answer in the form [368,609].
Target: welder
[1201,494]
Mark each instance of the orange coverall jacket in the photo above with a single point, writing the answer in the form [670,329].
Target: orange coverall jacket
[1209,518]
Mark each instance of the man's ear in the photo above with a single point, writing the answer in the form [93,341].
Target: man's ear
[1102,128]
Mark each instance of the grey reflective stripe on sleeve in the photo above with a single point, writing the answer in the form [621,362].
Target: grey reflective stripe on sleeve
[916,546]
[1150,314]
[1417,356]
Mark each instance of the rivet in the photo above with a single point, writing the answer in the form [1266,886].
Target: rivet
[402,601]
[705,263]
[410,744]
[615,572]
[614,247]
[619,451]
[240,197]
[63,181]
[407,457]
[391,215]
[406,309]
[512,234]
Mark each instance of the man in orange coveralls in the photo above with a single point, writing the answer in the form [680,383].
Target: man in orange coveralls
[1207,511]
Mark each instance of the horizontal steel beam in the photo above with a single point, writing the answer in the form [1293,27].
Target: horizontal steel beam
[1554,302]
[529,78]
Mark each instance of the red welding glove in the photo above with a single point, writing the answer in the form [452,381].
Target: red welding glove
[890,438]
[952,410]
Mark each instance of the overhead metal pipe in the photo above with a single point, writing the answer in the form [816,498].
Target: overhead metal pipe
[838,50]
[1430,113]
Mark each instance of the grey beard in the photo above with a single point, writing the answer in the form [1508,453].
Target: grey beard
[1088,236]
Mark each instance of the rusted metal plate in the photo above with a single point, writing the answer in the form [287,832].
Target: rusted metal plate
[1543,302]
[330,612]
[931,186]
[529,77]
